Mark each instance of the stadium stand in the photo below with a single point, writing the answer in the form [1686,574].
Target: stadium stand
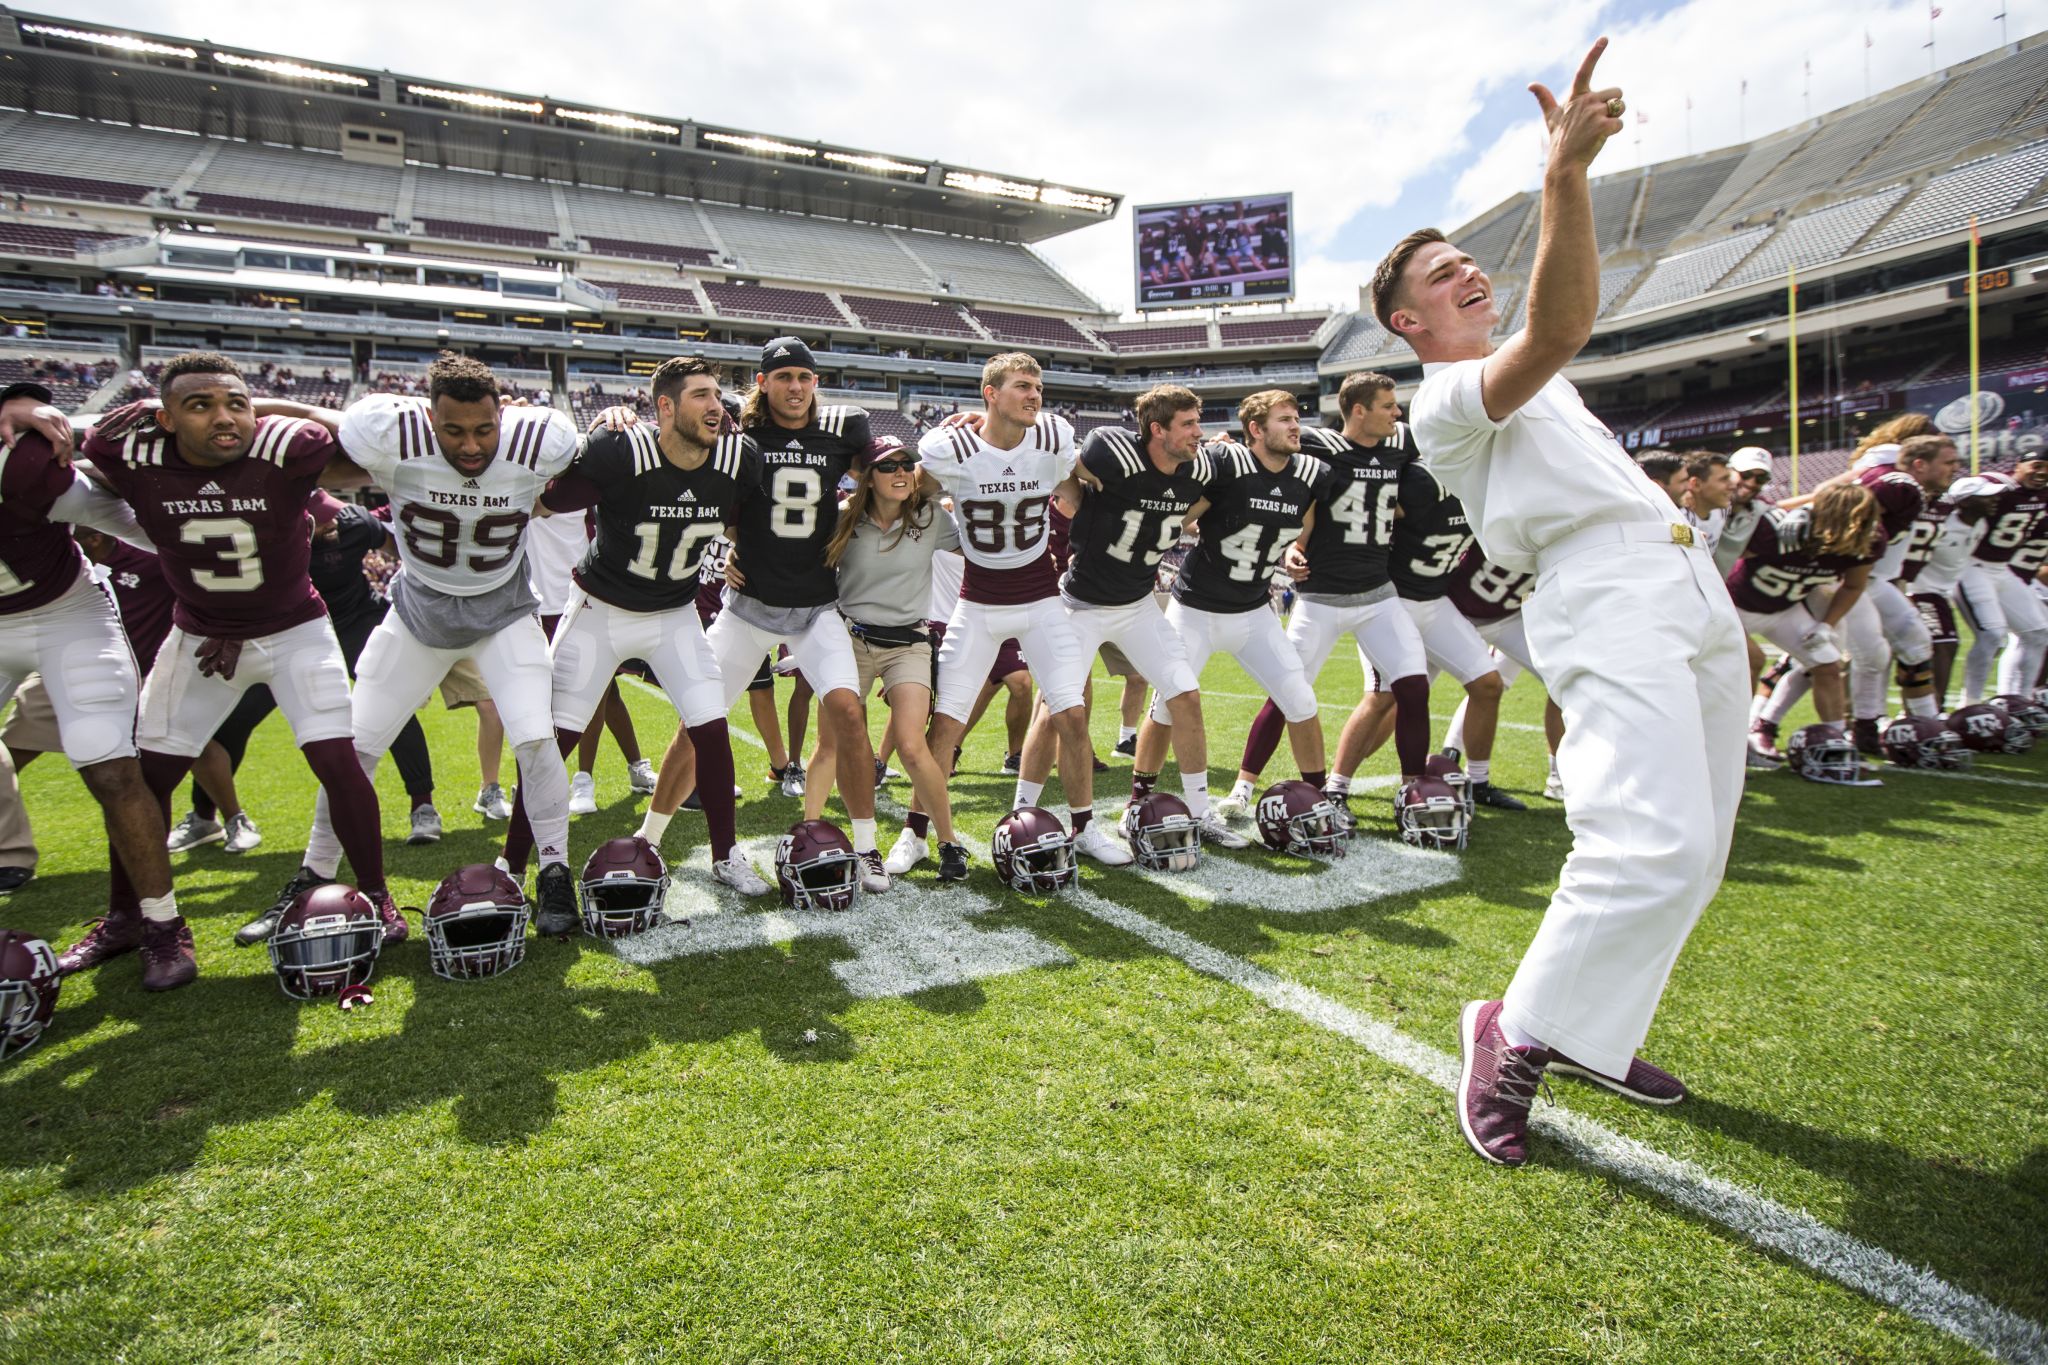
[1690,273]
[791,246]
[1265,331]
[85,152]
[1489,239]
[1614,282]
[883,422]
[70,382]
[901,315]
[621,216]
[254,174]
[1360,339]
[1988,187]
[1816,237]
[493,234]
[15,181]
[1969,108]
[996,271]
[47,239]
[1029,329]
[1716,413]
[664,298]
[1826,160]
[469,198]
[648,251]
[1762,157]
[1171,337]
[2008,353]
[278,210]
[1676,195]
[1614,200]
[780,305]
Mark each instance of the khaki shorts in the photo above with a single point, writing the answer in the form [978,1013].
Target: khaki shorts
[32,725]
[464,686]
[893,664]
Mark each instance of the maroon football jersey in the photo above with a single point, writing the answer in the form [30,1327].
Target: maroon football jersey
[1899,500]
[1482,591]
[2015,519]
[1781,565]
[39,561]
[234,540]
[1921,537]
[144,597]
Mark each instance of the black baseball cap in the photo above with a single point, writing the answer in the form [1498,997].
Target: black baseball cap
[784,352]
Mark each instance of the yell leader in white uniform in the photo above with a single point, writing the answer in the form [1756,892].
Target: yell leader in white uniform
[1630,626]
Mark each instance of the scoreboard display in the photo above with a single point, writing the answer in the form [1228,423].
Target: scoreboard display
[1215,251]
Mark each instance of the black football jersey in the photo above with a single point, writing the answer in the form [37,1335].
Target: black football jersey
[1430,537]
[1348,550]
[1254,515]
[653,519]
[1125,527]
[786,519]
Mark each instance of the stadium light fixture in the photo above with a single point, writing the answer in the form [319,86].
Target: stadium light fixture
[476,99]
[291,69]
[877,163]
[991,185]
[625,122]
[767,145]
[114,40]
[1075,199]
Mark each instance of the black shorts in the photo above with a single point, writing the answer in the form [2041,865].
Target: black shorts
[1939,614]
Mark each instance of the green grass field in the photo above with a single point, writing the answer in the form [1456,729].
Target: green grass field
[962,1125]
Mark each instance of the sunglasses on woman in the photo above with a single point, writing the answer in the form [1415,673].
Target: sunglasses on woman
[893,467]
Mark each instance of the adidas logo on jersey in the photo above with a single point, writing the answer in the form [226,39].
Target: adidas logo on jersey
[469,483]
[687,495]
[212,490]
[794,445]
[1009,473]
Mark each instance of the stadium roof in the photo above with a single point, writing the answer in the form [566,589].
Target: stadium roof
[62,66]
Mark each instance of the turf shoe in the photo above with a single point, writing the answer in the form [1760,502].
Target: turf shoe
[1127,747]
[793,780]
[1215,831]
[582,794]
[491,803]
[907,852]
[1233,807]
[640,777]
[107,937]
[1096,842]
[1864,733]
[192,831]
[555,898]
[258,929]
[1763,745]
[167,960]
[1486,794]
[952,863]
[242,834]
[1644,1083]
[737,873]
[426,826]
[874,877]
[396,930]
[1496,1083]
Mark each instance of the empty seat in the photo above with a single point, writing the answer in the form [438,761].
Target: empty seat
[902,315]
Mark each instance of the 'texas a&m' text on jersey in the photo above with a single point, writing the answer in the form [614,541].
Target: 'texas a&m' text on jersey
[787,515]
[1126,526]
[1354,535]
[1253,516]
[1000,499]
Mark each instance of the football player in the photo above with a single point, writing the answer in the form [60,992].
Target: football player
[1969,504]
[1002,479]
[1348,586]
[1708,490]
[1257,500]
[661,496]
[463,472]
[224,493]
[2002,610]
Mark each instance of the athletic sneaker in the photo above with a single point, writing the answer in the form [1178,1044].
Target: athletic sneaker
[1233,807]
[1763,745]
[242,833]
[396,930]
[426,825]
[737,873]
[1496,1084]
[884,774]
[1644,1083]
[258,929]
[1486,794]
[1553,787]
[582,794]
[1013,764]
[1217,831]
[167,960]
[793,780]
[691,802]
[1127,747]
[12,879]
[640,776]
[106,937]
[1864,733]
[907,852]
[873,876]
[555,913]
[491,803]
[1100,766]
[192,831]
[952,863]
[1097,843]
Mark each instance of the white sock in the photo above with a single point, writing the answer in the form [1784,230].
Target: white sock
[1516,1037]
[1195,791]
[1027,793]
[502,866]
[864,835]
[1336,784]
[1919,706]
[545,782]
[1126,733]
[1241,790]
[1553,768]
[161,909]
[653,826]
[1478,768]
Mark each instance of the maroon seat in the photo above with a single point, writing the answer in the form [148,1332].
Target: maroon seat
[780,305]
[1031,329]
[901,315]
[278,210]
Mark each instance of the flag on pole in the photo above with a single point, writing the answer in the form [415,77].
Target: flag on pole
[1642,117]
[1866,37]
[1933,13]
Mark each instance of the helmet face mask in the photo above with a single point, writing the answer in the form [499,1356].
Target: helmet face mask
[1446,770]
[29,981]
[1823,753]
[2028,721]
[1033,852]
[1294,817]
[816,867]
[623,887]
[1163,834]
[326,941]
[1431,814]
[1923,742]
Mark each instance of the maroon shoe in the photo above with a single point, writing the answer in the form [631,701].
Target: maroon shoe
[396,930]
[108,937]
[1864,733]
[1496,1084]
[167,960]
[1644,1083]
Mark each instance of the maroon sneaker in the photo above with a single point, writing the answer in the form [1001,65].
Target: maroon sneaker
[167,961]
[1496,1084]
[108,937]
[1644,1083]
[396,930]
[1864,733]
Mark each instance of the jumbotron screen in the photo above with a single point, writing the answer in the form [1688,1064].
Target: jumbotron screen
[1215,250]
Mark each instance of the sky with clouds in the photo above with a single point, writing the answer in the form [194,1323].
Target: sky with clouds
[1375,125]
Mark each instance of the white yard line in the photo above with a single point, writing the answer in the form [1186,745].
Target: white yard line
[1964,776]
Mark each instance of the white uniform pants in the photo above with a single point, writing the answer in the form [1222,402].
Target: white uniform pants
[595,637]
[1450,644]
[303,667]
[1509,636]
[1642,651]
[822,652]
[2004,614]
[1388,643]
[1140,631]
[974,636]
[76,639]
[396,675]
[1255,640]
[1786,629]
[1883,625]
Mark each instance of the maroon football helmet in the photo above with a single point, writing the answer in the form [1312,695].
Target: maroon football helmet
[28,990]
[1823,752]
[1987,729]
[2028,717]
[326,941]
[1431,814]
[1163,834]
[816,867]
[1296,818]
[476,924]
[1444,768]
[1033,852]
[1923,742]
[623,887]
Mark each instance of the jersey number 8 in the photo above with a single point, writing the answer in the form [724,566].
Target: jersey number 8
[433,536]
[984,523]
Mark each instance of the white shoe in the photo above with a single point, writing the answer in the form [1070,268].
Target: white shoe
[242,834]
[1215,831]
[907,852]
[1097,843]
[873,876]
[793,780]
[640,775]
[582,794]
[426,826]
[192,831]
[1553,787]
[1232,807]
[737,873]
[491,803]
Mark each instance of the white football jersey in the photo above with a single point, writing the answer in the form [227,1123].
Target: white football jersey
[1000,497]
[458,535]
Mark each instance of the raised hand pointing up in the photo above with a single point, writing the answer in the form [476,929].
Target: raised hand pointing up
[1581,124]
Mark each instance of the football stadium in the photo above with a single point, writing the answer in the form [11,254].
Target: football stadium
[1204,1103]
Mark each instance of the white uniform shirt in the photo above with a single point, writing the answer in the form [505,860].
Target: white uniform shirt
[1000,497]
[1709,526]
[554,547]
[1953,547]
[1546,470]
[458,535]
[947,571]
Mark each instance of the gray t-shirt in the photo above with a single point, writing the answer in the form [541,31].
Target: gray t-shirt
[885,576]
[442,621]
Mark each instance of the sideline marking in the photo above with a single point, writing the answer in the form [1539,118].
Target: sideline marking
[1967,776]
